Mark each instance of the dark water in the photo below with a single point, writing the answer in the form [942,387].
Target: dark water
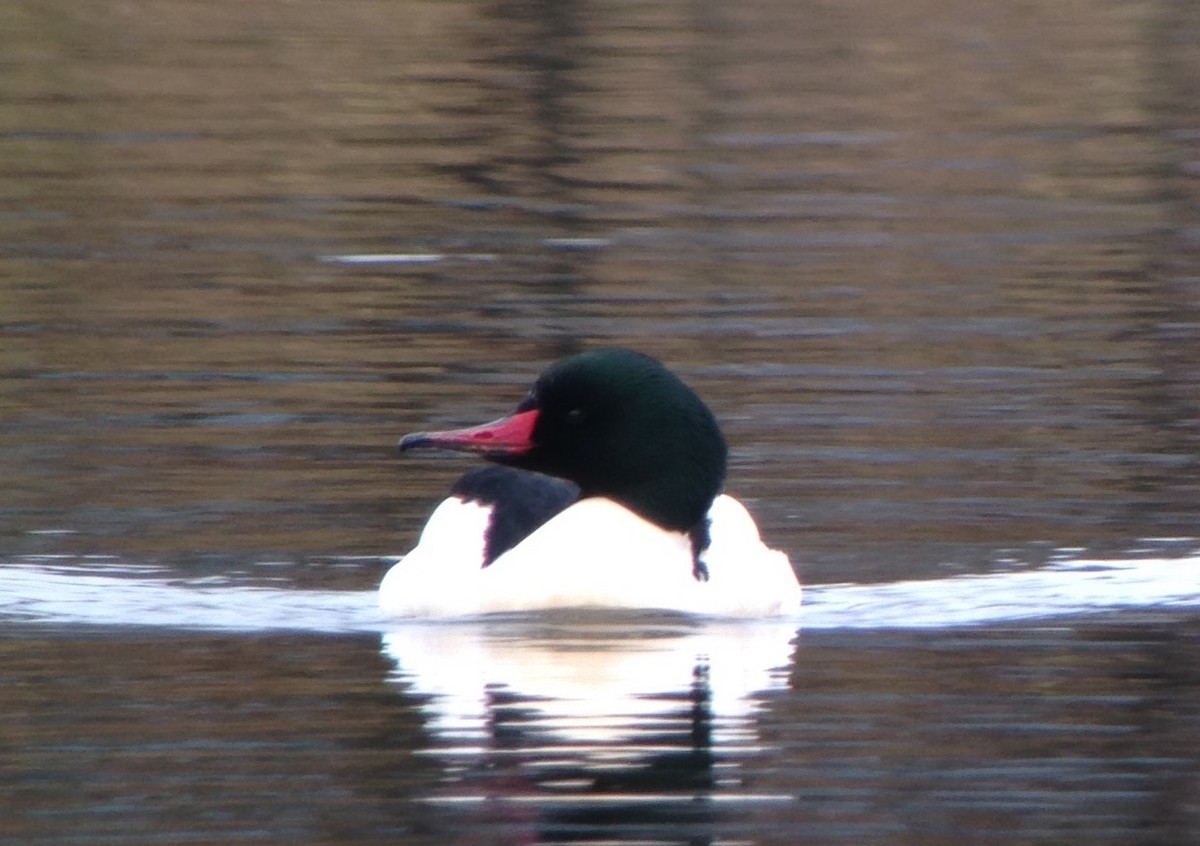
[1079,734]
[936,269]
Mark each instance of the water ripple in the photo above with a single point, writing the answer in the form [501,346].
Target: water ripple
[99,591]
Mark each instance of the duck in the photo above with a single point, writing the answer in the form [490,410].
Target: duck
[604,489]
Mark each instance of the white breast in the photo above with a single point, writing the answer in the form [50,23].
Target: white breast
[596,553]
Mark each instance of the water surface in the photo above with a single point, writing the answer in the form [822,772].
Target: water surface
[933,268]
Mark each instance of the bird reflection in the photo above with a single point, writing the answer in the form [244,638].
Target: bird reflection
[569,730]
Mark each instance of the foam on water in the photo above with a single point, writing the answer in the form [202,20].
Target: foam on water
[101,592]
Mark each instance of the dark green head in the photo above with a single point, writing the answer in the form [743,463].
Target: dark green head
[616,423]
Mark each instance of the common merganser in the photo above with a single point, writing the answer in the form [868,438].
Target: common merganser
[608,495]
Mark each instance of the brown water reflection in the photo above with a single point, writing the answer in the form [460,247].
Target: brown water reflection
[934,266]
[1002,736]
[949,316]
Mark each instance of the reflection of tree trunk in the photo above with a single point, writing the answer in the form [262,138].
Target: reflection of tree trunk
[1159,662]
[1171,401]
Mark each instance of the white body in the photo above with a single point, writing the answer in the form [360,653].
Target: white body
[595,554]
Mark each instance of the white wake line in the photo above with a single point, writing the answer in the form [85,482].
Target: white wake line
[55,594]
[1061,590]
[150,597]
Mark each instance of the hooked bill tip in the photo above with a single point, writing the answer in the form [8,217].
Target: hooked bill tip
[416,439]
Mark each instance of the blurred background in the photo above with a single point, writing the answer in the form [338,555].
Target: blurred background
[935,266]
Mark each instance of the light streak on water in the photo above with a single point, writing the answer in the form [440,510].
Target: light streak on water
[100,591]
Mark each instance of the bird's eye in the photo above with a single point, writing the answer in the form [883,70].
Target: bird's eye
[575,416]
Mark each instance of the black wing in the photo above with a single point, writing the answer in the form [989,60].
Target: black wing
[520,502]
